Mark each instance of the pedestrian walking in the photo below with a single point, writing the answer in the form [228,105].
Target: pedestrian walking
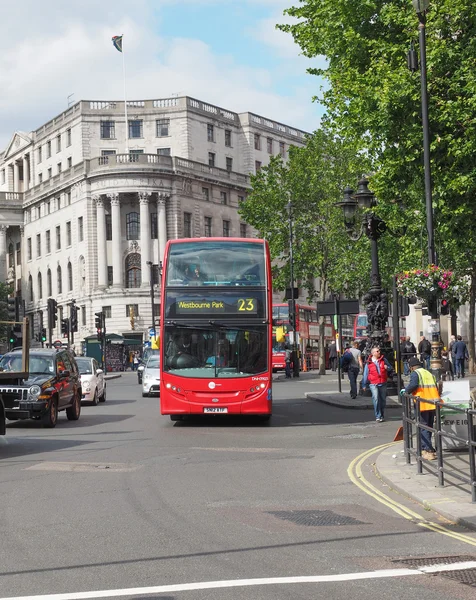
[407,351]
[376,372]
[355,365]
[423,384]
[460,353]
[424,349]
[135,361]
[287,364]
[333,356]
[446,365]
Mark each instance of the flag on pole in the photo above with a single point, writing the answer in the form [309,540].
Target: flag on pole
[117,42]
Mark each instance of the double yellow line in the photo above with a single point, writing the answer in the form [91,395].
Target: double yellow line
[355,474]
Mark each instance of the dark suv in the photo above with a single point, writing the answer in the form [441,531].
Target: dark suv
[53,384]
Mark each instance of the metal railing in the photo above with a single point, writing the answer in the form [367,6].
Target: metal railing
[413,425]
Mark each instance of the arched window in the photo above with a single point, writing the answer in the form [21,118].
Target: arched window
[70,277]
[133,271]
[30,287]
[40,287]
[132,226]
[49,286]
[60,281]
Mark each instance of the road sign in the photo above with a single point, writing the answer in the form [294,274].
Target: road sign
[57,344]
[151,332]
[344,307]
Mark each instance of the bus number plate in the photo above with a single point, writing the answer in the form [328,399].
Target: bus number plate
[215,409]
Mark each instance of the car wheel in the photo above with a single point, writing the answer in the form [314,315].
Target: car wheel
[95,398]
[73,412]
[103,397]
[51,418]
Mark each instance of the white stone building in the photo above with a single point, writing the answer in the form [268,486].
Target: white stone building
[85,211]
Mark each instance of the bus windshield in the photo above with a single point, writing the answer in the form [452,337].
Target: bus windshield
[206,263]
[216,352]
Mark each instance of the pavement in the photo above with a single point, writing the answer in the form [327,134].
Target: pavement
[451,501]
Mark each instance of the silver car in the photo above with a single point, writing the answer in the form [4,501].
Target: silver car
[151,376]
[92,380]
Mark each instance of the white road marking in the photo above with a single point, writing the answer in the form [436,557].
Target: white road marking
[235,583]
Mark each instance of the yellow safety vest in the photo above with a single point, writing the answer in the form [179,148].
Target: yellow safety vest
[427,389]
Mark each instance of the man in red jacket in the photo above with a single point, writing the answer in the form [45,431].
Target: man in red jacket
[376,374]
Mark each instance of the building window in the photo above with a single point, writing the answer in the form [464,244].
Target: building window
[210,133]
[49,286]
[68,137]
[132,226]
[48,242]
[58,143]
[11,258]
[58,203]
[40,287]
[257,141]
[107,310]
[70,162]
[59,167]
[206,194]
[108,228]
[60,280]
[229,164]
[154,230]
[133,270]
[50,173]
[30,287]
[269,145]
[282,149]
[135,128]
[109,276]
[162,127]
[132,308]
[38,212]
[28,249]
[48,207]
[228,138]
[18,253]
[68,198]
[211,159]
[70,277]
[241,199]
[187,224]
[226,228]
[68,233]
[257,165]
[48,149]
[163,151]
[40,154]
[83,316]
[243,230]
[40,177]
[223,198]
[108,152]
[80,229]
[38,245]
[58,238]
[208,227]
[108,130]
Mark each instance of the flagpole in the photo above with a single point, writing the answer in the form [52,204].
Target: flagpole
[125,96]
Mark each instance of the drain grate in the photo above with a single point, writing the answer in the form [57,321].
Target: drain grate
[315,518]
[467,576]
[427,561]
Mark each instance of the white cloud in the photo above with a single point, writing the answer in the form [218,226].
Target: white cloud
[53,49]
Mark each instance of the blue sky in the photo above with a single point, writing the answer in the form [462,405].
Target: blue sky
[225,52]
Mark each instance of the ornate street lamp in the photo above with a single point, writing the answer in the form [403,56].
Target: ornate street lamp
[376,300]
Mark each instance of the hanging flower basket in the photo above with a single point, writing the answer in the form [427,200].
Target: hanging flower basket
[433,282]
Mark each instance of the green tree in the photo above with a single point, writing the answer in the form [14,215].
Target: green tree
[313,180]
[374,101]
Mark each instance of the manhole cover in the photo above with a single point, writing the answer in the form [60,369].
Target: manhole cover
[426,561]
[315,518]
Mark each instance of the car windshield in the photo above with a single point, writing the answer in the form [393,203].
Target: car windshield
[153,362]
[84,366]
[38,364]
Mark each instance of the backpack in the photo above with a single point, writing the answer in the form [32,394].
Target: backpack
[345,361]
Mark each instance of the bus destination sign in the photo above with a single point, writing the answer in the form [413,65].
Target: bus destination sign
[211,306]
[232,304]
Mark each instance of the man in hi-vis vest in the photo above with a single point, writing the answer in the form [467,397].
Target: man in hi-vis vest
[423,384]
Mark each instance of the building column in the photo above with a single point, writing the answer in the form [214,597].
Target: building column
[26,172]
[3,253]
[101,240]
[162,222]
[16,176]
[117,262]
[145,240]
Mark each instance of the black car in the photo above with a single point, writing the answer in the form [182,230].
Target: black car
[53,384]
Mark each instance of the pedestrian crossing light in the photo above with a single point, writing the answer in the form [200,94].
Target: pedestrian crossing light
[445,308]
[43,335]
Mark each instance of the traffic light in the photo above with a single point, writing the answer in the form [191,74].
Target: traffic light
[43,335]
[292,314]
[74,318]
[11,336]
[65,327]
[444,307]
[52,313]
[12,304]
[98,320]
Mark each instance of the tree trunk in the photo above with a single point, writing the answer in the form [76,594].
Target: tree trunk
[472,300]
[322,332]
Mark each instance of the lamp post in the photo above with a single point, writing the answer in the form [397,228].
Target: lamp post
[151,267]
[421,8]
[292,299]
[376,300]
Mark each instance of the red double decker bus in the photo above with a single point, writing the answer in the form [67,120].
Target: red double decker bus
[215,328]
